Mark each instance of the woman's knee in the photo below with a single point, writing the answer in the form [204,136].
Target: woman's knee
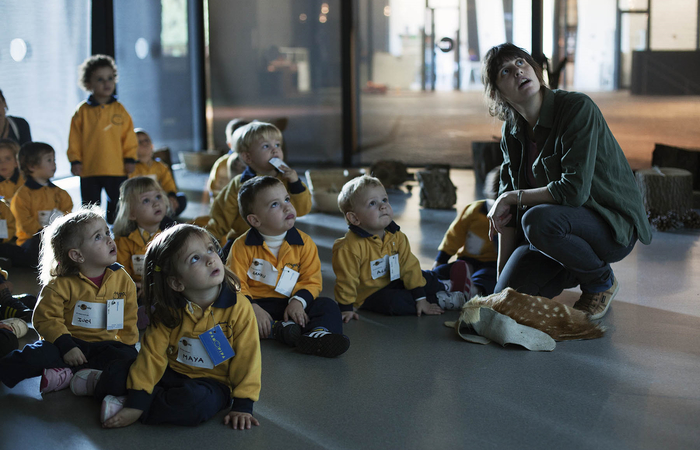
[541,224]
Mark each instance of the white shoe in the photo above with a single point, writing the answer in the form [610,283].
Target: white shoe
[110,406]
[19,326]
[451,301]
[504,330]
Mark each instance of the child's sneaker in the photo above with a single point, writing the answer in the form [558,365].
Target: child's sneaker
[110,406]
[322,342]
[55,380]
[461,277]
[287,333]
[84,381]
[451,301]
[11,306]
[19,326]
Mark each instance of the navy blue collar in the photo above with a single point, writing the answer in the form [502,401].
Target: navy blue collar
[92,102]
[32,184]
[114,267]
[13,178]
[391,228]
[227,297]
[255,238]
[247,174]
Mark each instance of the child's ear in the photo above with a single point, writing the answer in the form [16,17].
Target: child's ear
[175,284]
[253,220]
[75,255]
[352,218]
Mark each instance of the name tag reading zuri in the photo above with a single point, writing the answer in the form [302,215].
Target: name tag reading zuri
[216,345]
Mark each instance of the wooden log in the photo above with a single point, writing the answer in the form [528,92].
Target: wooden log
[666,189]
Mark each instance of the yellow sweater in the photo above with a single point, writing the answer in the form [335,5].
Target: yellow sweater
[102,138]
[9,218]
[32,198]
[128,246]
[353,255]
[298,252]
[55,310]
[8,186]
[160,348]
[468,235]
[158,171]
[226,222]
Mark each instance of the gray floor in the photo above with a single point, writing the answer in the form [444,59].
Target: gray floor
[412,383]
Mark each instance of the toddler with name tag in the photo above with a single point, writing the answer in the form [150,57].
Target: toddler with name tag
[281,273]
[86,312]
[200,353]
[373,264]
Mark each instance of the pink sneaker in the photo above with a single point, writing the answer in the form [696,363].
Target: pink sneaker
[110,406]
[55,380]
[84,381]
[461,278]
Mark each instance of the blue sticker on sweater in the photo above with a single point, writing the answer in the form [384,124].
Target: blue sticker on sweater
[216,345]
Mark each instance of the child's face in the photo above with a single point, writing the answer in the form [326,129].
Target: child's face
[260,153]
[201,269]
[102,83]
[145,150]
[372,210]
[46,167]
[149,209]
[273,212]
[8,162]
[98,250]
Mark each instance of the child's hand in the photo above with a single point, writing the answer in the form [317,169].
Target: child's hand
[75,357]
[264,321]
[295,311]
[349,315]
[240,420]
[129,167]
[289,174]
[425,307]
[76,169]
[124,418]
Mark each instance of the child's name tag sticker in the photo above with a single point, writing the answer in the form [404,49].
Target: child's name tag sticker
[138,262]
[115,314]
[3,229]
[216,345]
[90,315]
[48,216]
[394,269]
[287,281]
[278,163]
[263,271]
[379,267]
[192,353]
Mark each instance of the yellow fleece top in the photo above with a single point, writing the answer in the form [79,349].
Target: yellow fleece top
[218,175]
[8,186]
[54,312]
[102,138]
[32,198]
[468,235]
[160,349]
[298,252]
[353,256]
[226,222]
[133,244]
[158,171]
[9,218]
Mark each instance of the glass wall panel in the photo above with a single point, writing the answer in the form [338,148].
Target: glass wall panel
[633,37]
[41,46]
[674,25]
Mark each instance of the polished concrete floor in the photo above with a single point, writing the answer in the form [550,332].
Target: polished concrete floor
[411,383]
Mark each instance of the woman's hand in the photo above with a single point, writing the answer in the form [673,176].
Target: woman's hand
[500,215]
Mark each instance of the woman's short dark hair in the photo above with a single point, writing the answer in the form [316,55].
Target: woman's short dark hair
[494,59]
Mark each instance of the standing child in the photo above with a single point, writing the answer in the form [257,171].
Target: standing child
[194,308]
[10,177]
[38,202]
[147,167]
[373,264]
[283,273]
[257,145]
[102,144]
[86,313]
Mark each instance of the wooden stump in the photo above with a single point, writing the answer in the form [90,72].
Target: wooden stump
[666,189]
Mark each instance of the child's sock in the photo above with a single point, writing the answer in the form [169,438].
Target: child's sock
[287,333]
[322,342]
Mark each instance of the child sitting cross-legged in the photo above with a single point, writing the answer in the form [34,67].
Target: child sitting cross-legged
[373,264]
[281,273]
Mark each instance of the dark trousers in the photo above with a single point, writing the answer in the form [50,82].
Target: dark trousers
[8,342]
[322,312]
[483,274]
[34,358]
[91,192]
[564,247]
[395,300]
[26,255]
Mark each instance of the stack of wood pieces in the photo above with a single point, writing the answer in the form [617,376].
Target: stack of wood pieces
[667,194]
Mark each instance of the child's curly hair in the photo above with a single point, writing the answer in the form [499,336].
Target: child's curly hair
[88,67]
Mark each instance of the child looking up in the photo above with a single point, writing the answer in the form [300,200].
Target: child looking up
[38,202]
[102,144]
[222,170]
[10,177]
[283,273]
[147,167]
[191,299]
[373,264]
[86,313]
[256,145]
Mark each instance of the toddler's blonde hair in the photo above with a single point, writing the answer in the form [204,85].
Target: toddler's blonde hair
[351,189]
[129,192]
